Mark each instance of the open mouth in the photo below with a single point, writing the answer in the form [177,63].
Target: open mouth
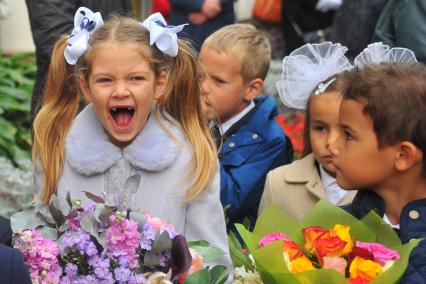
[122,116]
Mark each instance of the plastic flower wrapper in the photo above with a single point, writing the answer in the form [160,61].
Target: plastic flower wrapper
[99,242]
[272,263]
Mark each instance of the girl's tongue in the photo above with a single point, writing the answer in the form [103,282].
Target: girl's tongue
[122,117]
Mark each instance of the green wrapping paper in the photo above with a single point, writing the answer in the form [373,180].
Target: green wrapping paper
[270,260]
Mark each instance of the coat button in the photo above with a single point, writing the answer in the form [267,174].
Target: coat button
[414,214]
[255,136]
[232,144]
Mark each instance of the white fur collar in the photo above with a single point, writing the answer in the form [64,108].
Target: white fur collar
[89,151]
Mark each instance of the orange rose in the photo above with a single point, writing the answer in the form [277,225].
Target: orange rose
[364,268]
[331,246]
[197,264]
[343,232]
[301,264]
[292,249]
[311,234]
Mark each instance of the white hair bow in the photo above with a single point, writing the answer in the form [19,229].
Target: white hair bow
[162,35]
[85,23]
[378,52]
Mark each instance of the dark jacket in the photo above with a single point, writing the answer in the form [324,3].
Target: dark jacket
[248,153]
[403,24]
[412,225]
[180,10]
[5,232]
[49,20]
[12,267]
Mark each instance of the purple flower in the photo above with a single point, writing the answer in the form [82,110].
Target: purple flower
[122,274]
[71,269]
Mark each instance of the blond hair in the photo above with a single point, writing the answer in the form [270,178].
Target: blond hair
[181,100]
[248,44]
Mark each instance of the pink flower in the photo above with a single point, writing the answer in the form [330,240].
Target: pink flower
[334,262]
[155,222]
[272,237]
[381,253]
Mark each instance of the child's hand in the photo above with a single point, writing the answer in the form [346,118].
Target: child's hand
[197,18]
[211,8]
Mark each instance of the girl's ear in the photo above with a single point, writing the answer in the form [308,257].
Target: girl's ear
[160,85]
[254,88]
[85,89]
[408,156]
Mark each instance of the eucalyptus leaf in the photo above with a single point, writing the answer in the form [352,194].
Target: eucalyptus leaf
[102,213]
[138,217]
[94,197]
[89,224]
[48,232]
[151,259]
[25,220]
[162,243]
[56,214]
[132,183]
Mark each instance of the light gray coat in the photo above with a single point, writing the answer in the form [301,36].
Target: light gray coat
[94,164]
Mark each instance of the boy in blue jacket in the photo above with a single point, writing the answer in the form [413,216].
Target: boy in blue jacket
[234,62]
[382,148]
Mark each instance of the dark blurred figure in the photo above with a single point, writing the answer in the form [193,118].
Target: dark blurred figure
[204,16]
[403,24]
[354,24]
[304,21]
[49,20]
[12,267]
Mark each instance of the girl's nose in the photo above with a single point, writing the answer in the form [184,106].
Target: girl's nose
[121,90]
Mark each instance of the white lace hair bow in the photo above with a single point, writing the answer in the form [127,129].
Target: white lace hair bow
[378,52]
[162,35]
[308,66]
[85,23]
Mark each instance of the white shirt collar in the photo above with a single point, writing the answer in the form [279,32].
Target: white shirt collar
[334,192]
[227,124]
[387,221]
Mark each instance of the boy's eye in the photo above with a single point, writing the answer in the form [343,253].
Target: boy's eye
[348,135]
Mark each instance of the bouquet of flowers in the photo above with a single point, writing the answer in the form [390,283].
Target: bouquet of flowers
[328,246]
[98,243]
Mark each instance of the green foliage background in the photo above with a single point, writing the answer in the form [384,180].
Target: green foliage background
[17,74]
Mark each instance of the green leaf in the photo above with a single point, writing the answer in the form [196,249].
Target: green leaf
[8,131]
[48,232]
[138,217]
[208,253]
[14,93]
[219,274]
[237,256]
[201,276]
[202,243]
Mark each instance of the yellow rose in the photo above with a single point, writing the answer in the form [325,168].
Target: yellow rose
[364,268]
[301,264]
[343,232]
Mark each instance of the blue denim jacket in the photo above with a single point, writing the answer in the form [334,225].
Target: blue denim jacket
[246,156]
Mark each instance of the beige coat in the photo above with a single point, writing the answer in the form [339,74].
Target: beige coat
[296,188]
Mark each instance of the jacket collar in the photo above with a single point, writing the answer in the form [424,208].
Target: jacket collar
[89,151]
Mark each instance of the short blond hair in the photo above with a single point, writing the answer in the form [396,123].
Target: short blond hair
[248,44]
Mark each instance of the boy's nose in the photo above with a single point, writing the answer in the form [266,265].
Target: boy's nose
[333,147]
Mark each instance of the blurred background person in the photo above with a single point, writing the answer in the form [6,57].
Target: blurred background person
[204,16]
[403,24]
[354,24]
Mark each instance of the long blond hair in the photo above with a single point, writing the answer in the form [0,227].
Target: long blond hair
[181,100]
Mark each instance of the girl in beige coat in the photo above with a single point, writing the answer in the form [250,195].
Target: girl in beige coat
[297,187]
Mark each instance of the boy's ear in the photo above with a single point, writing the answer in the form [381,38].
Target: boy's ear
[408,155]
[254,88]
[160,85]
[85,89]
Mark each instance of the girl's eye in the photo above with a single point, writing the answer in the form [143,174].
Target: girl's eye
[103,80]
[319,128]
[220,81]
[137,78]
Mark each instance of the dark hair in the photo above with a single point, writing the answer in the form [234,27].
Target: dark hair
[394,97]
[336,86]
